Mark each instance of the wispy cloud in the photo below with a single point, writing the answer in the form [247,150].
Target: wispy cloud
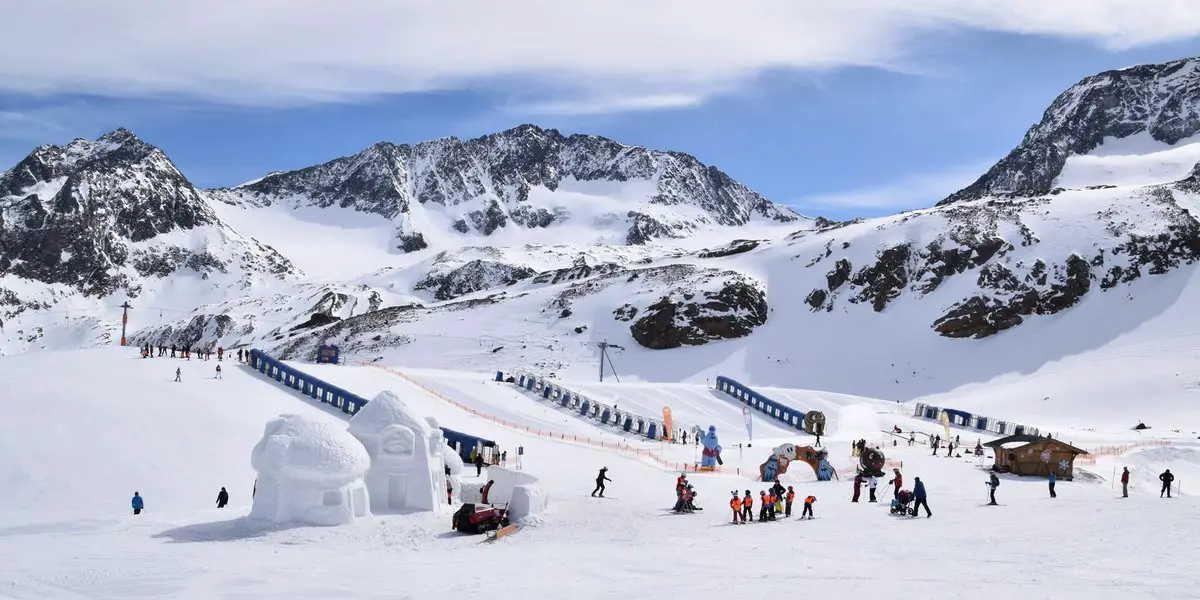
[915,191]
[606,105]
[615,55]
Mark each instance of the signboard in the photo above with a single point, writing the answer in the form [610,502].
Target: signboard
[328,353]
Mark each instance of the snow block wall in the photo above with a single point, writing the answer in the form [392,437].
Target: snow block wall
[779,412]
[518,489]
[588,408]
[309,472]
[406,472]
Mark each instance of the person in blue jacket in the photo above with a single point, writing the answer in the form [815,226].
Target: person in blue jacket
[1053,478]
[137,504]
[919,494]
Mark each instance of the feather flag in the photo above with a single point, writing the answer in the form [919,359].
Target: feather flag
[667,422]
[749,422]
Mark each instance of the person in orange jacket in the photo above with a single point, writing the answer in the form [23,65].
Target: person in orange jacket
[787,507]
[808,502]
[762,505]
[735,503]
[748,507]
[771,505]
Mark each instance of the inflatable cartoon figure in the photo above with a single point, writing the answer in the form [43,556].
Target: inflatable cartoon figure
[711,455]
[782,456]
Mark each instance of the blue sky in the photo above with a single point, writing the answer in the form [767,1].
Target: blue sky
[840,137]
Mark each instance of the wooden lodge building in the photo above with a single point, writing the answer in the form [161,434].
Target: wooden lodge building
[1034,456]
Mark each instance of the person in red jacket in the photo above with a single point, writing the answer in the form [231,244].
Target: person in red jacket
[858,481]
[1125,483]
[897,481]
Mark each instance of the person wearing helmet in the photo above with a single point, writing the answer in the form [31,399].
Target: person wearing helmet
[787,507]
[735,504]
[808,504]
[748,507]
[600,479]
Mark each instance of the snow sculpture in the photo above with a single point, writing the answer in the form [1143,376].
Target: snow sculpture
[406,471]
[712,450]
[451,460]
[309,472]
[519,490]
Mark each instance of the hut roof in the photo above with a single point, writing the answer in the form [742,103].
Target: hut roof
[1018,441]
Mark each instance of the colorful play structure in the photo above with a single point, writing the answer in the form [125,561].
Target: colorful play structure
[783,456]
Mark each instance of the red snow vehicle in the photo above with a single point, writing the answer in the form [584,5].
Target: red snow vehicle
[470,519]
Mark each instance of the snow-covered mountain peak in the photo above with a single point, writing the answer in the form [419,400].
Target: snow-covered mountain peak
[525,180]
[1161,101]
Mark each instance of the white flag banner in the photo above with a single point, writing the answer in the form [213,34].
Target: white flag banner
[749,423]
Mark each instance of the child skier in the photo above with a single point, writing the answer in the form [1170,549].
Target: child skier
[791,495]
[735,504]
[218,372]
[762,506]
[748,507]
[178,375]
[808,503]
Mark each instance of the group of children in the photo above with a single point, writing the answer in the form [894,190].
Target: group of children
[771,502]
[685,496]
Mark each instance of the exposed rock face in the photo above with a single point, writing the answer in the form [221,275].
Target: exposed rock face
[733,248]
[497,172]
[472,277]
[677,320]
[87,215]
[1160,99]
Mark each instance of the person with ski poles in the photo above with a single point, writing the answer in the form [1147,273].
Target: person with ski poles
[735,504]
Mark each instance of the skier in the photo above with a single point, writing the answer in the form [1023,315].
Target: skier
[239,355]
[896,480]
[449,488]
[871,483]
[222,498]
[858,481]
[220,353]
[218,372]
[1125,483]
[137,504]
[504,458]
[993,483]
[949,449]
[787,508]
[778,488]
[808,502]
[748,507]
[919,494]
[485,489]
[600,479]
[178,375]
[770,505]
[1053,478]
[172,350]
[479,464]
[1166,478]
[735,504]
[762,506]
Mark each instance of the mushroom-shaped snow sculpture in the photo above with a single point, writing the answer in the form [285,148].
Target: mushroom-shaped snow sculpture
[309,471]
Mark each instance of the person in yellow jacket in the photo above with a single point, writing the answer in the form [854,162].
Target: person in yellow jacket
[791,495]
[778,502]
[748,507]
[735,504]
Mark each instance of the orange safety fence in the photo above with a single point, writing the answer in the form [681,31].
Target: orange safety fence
[1090,459]
[622,447]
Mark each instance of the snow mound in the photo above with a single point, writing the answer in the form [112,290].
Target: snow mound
[299,449]
[1134,160]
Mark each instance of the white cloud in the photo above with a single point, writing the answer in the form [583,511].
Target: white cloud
[920,190]
[652,53]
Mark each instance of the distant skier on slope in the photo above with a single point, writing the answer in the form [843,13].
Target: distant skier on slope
[478,463]
[222,498]
[137,503]
[787,507]
[178,375]
[993,483]
[218,375]
[1166,478]
[1052,479]
[1125,483]
[600,479]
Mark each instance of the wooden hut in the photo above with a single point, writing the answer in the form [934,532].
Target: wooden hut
[1034,456]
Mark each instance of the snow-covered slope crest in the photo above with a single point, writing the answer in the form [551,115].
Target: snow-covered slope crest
[1160,100]
[446,191]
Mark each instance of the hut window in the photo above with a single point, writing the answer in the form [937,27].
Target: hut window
[332,498]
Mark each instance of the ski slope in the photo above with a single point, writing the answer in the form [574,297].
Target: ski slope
[100,423]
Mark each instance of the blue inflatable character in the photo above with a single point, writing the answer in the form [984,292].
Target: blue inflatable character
[711,456]
[770,469]
[824,470]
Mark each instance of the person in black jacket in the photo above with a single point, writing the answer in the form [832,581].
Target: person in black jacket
[1166,478]
[600,479]
[222,498]
[479,464]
